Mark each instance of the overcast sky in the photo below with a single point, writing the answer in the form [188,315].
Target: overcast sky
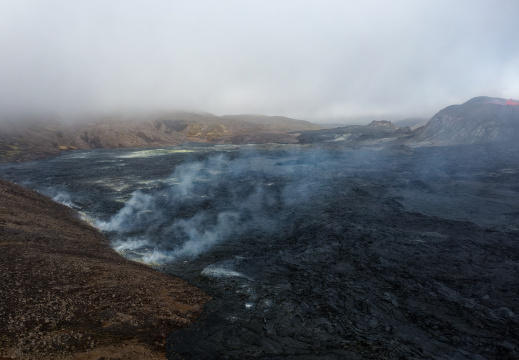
[316,60]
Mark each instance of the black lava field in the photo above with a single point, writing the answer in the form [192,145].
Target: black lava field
[311,253]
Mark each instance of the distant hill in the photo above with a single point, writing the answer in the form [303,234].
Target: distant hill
[411,122]
[480,120]
[376,133]
[280,123]
[23,140]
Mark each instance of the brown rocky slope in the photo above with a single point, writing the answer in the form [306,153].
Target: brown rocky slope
[66,294]
[28,138]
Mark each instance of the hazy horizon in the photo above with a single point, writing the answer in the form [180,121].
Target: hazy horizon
[327,61]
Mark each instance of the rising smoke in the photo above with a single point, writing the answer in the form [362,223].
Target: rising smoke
[208,201]
[65,199]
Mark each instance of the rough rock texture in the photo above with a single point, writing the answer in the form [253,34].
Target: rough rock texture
[65,294]
[479,120]
[401,253]
[411,256]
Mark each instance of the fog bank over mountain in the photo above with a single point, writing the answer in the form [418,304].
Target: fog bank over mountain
[331,61]
[39,137]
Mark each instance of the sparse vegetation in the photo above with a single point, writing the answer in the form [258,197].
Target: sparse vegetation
[46,139]
[66,294]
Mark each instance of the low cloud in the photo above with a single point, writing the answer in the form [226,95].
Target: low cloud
[330,60]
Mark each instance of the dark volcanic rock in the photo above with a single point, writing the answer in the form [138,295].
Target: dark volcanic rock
[479,120]
[376,133]
[408,253]
[409,257]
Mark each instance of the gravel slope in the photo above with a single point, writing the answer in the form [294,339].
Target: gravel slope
[66,294]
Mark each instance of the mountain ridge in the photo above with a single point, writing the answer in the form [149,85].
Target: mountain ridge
[28,140]
[481,119]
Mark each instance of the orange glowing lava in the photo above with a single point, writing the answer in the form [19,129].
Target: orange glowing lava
[512,102]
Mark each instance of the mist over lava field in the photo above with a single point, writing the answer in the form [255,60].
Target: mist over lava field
[381,252]
[275,179]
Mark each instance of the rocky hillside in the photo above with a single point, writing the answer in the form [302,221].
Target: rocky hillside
[479,120]
[66,294]
[24,140]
